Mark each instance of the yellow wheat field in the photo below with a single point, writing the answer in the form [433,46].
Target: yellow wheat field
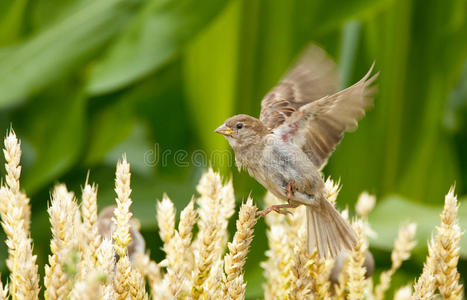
[85,264]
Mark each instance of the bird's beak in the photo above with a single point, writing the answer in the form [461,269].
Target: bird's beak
[225,130]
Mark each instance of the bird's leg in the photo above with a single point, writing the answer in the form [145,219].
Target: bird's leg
[277,208]
[289,191]
[280,207]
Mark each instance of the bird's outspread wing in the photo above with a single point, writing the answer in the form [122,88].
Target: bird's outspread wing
[312,77]
[318,127]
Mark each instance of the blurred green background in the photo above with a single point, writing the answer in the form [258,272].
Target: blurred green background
[84,81]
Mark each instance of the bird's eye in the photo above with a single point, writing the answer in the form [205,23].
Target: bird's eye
[239,125]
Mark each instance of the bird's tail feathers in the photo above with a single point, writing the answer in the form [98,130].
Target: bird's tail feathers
[328,231]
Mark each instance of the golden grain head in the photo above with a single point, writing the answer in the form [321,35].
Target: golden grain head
[202,261]
[365,204]
[332,190]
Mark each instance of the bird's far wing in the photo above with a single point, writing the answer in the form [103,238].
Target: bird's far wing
[319,126]
[312,77]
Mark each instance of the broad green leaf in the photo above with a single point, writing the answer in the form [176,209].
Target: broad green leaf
[41,231]
[454,119]
[45,13]
[324,16]
[254,280]
[433,165]
[174,140]
[400,145]
[3,252]
[12,21]
[135,147]
[155,36]
[266,50]
[393,211]
[433,169]
[254,273]
[350,40]
[110,126]
[61,48]
[112,117]
[210,69]
[54,130]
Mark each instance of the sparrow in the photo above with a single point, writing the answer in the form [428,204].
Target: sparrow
[106,228]
[301,122]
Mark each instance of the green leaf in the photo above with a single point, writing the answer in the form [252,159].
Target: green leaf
[135,147]
[327,16]
[401,146]
[61,48]
[395,210]
[454,116]
[210,69]
[44,13]
[111,126]
[155,36]
[55,135]
[254,279]
[11,23]
[112,117]
[350,39]
[433,165]
[266,50]
[151,189]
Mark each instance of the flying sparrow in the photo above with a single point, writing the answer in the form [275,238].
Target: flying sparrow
[301,122]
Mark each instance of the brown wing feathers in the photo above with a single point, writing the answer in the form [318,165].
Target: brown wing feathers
[312,77]
[321,124]
[306,109]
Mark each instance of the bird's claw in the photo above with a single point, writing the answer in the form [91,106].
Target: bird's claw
[283,211]
[277,208]
[263,212]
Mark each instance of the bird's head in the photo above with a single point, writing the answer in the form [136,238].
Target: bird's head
[242,131]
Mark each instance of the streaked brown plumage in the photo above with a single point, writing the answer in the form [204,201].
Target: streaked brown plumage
[106,228]
[301,122]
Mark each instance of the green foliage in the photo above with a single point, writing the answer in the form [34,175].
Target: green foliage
[61,49]
[156,33]
[83,81]
[396,210]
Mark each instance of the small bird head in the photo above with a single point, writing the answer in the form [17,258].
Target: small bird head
[242,130]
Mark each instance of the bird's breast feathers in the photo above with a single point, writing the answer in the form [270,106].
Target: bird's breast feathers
[282,163]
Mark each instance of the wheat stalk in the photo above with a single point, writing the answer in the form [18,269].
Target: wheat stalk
[121,235]
[173,245]
[403,245]
[82,264]
[92,238]
[302,283]
[238,250]
[65,221]
[15,212]
[356,270]
[12,153]
[447,250]
[209,234]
